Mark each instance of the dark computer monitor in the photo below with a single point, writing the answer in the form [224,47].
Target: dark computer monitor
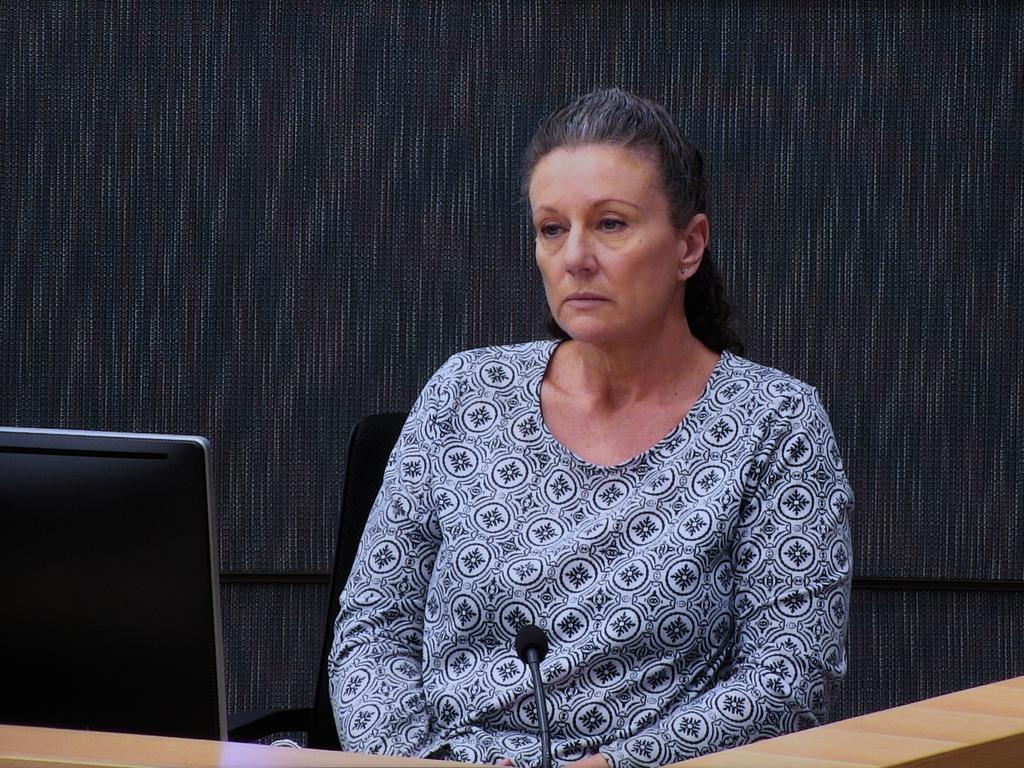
[109,582]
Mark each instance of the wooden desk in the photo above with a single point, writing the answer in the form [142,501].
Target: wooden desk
[977,728]
[55,748]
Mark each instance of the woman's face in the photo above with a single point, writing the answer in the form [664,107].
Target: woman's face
[606,247]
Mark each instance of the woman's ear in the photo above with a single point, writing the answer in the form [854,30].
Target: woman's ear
[693,239]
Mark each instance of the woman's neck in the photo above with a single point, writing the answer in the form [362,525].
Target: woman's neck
[614,376]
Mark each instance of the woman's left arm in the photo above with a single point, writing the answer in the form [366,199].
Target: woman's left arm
[791,560]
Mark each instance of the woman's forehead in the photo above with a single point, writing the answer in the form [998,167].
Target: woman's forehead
[594,173]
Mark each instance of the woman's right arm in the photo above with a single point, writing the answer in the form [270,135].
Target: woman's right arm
[375,664]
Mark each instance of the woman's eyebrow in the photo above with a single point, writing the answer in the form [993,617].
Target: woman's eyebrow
[602,201]
[616,200]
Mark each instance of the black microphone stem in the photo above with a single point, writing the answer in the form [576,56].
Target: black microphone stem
[533,661]
[531,648]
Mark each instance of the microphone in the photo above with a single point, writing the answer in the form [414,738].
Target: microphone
[532,647]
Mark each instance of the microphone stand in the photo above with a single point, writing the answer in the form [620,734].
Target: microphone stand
[533,661]
[531,647]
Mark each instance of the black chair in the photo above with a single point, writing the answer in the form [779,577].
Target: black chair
[369,446]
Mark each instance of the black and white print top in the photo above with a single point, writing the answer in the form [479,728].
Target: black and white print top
[695,597]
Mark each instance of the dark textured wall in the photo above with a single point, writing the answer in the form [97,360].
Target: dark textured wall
[259,221]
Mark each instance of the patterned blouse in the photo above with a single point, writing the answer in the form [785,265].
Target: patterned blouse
[695,597]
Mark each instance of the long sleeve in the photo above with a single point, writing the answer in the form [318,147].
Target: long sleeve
[791,568]
[375,664]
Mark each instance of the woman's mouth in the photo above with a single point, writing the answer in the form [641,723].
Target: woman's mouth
[584,299]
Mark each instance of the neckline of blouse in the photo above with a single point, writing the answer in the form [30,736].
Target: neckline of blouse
[544,362]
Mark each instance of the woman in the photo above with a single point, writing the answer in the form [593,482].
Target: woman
[673,515]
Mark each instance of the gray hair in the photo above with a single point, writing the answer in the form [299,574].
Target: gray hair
[622,119]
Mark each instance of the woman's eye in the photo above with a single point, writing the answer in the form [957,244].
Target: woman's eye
[550,230]
[612,225]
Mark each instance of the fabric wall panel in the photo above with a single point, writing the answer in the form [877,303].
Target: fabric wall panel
[273,634]
[907,645]
[259,222]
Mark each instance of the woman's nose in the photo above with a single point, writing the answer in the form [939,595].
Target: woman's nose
[579,251]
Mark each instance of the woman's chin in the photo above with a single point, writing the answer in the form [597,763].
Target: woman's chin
[592,333]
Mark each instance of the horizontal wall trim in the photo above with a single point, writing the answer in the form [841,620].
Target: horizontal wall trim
[940,585]
[859,582]
[242,577]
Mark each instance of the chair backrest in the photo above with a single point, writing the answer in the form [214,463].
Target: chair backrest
[369,447]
